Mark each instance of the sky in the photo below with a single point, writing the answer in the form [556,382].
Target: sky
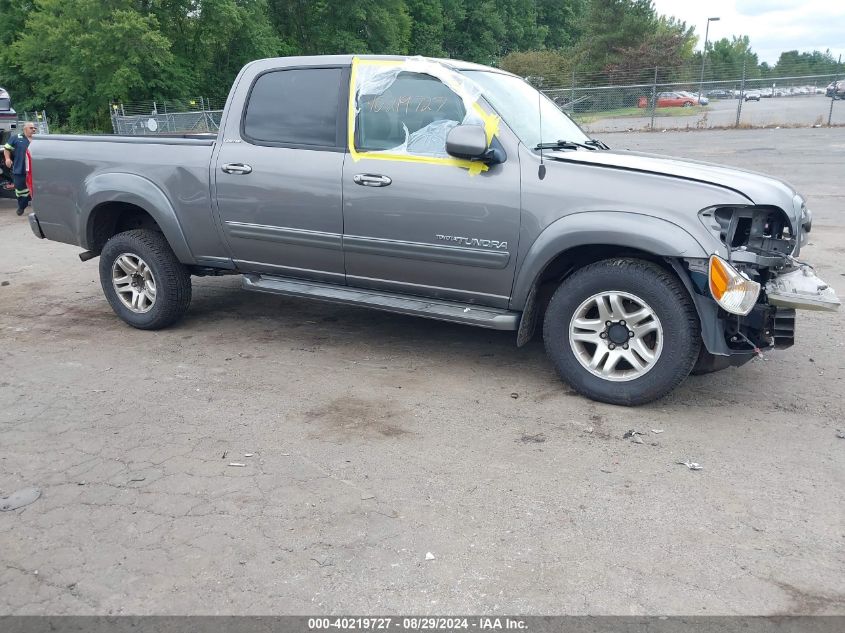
[773,25]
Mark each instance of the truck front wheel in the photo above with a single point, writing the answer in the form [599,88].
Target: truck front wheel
[144,282]
[622,331]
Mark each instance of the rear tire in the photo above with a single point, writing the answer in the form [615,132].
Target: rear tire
[144,282]
[642,301]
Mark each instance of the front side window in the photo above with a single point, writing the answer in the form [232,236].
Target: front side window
[403,110]
[295,107]
[412,115]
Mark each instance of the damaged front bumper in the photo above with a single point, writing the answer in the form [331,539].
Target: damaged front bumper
[770,324]
[762,244]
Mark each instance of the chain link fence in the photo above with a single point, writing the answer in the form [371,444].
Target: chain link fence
[14,122]
[655,98]
[660,98]
[39,117]
[189,116]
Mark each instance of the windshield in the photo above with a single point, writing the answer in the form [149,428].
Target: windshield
[519,104]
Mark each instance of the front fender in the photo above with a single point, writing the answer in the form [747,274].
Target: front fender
[141,192]
[614,228]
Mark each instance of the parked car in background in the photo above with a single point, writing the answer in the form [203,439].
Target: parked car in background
[674,100]
[720,93]
[702,100]
[766,93]
[752,95]
[836,89]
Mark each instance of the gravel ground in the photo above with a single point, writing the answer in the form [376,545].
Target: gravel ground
[377,438]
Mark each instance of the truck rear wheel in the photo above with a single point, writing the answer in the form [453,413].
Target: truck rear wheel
[622,331]
[144,282]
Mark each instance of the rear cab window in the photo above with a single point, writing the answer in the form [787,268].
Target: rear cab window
[297,107]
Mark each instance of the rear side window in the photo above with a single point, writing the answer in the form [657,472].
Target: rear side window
[295,107]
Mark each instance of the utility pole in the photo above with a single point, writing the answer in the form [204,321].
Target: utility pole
[704,56]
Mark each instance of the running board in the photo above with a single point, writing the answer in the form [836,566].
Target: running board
[415,306]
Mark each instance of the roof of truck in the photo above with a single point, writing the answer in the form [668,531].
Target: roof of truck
[343,60]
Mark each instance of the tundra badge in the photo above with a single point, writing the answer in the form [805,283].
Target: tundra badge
[472,241]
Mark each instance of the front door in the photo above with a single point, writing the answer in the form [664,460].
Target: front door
[278,175]
[417,221]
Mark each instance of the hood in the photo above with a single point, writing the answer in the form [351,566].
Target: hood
[759,189]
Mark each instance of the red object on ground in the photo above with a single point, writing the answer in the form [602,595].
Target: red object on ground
[29,174]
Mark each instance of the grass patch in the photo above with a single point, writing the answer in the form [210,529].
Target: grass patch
[630,113]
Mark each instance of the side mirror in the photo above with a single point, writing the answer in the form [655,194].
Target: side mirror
[467,141]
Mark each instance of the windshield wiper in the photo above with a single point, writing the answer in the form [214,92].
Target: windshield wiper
[564,145]
[594,142]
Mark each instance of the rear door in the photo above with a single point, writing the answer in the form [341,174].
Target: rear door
[278,174]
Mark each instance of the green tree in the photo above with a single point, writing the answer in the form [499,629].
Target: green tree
[611,28]
[726,57]
[668,46]
[212,39]
[563,20]
[793,63]
[545,69]
[476,33]
[14,14]
[316,27]
[428,24]
[522,28]
[77,56]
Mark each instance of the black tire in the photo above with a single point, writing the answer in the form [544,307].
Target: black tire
[663,292]
[687,104]
[172,279]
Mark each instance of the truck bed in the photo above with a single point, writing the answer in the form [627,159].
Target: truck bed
[73,172]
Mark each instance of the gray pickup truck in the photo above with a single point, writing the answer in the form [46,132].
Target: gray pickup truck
[446,190]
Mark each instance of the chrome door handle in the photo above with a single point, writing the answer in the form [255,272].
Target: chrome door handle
[371,180]
[236,168]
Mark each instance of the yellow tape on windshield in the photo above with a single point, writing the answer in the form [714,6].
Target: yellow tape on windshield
[491,127]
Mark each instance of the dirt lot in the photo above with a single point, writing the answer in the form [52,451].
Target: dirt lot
[378,438]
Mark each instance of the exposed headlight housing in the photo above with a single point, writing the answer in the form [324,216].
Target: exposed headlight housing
[765,230]
[733,291]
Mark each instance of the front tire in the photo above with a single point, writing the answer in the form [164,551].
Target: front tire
[622,331]
[144,282]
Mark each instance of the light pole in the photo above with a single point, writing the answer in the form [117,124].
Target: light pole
[704,55]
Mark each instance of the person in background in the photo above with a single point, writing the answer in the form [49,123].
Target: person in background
[16,154]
